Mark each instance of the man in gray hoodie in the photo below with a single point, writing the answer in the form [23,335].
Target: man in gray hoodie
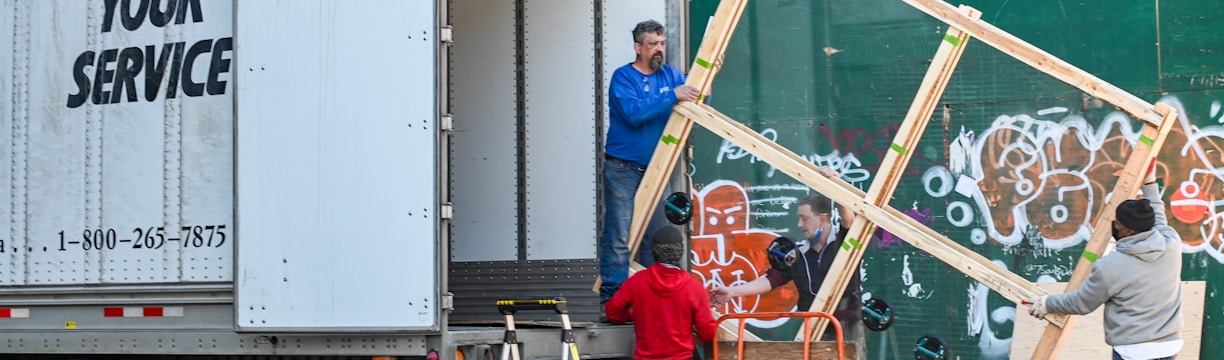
[1139,283]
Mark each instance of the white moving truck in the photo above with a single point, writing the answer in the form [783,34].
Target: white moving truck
[308,177]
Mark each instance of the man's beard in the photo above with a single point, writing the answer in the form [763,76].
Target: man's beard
[656,62]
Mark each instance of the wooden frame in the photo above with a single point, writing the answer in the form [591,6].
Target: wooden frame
[1159,120]
[872,205]
[974,265]
[891,168]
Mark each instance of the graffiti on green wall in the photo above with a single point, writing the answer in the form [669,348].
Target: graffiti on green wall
[1022,189]
[1014,165]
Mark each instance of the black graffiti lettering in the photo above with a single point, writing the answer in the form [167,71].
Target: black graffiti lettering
[129,65]
[160,18]
[174,9]
[81,79]
[103,76]
[219,65]
[192,88]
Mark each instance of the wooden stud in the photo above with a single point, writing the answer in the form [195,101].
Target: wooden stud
[908,229]
[1041,60]
[1145,150]
[676,132]
[841,272]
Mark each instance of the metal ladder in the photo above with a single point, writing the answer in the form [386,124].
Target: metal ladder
[510,344]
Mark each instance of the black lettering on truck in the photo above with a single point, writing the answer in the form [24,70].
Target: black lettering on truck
[152,9]
[117,70]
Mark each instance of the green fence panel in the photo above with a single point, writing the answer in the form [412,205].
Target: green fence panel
[1014,165]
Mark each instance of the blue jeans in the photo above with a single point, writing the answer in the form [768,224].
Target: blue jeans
[620,184]
[1119,357]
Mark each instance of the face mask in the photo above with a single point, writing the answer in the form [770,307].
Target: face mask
[804,245]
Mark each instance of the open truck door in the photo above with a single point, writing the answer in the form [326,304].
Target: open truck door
[336,184]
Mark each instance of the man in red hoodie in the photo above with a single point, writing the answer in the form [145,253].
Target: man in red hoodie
[665,303]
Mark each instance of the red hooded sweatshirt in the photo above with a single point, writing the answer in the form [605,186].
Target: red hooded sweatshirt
[665,304]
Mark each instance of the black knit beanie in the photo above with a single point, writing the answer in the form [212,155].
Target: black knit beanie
[1136,215]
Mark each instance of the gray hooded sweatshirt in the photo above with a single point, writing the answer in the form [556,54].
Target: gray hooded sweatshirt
[1139,283]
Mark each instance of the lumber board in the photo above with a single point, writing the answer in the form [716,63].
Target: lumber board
[676,132]
[841,271]
[1088,335]
[974,265]
[1150,141]
[1041,60]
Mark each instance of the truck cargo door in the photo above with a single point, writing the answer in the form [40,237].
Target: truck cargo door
[336,167]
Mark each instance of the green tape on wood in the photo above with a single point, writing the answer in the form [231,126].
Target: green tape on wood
[703,63]
[955,41]
[668,139]
[899,149]
[852,242]
[1092,257]
[1146,140]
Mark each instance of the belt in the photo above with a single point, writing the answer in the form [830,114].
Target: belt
[623,161]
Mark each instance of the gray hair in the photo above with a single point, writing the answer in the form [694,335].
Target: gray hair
[648,26]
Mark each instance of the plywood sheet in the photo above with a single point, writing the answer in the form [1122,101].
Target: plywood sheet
[782,350]
[1087,338]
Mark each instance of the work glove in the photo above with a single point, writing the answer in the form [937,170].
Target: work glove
[1037,306]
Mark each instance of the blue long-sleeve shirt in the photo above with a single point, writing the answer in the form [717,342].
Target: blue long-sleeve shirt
[639,106]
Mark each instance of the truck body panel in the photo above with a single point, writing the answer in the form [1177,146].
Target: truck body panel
[190,177]
[336,167]
[116,123]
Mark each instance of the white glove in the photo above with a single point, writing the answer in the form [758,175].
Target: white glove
[1037,306]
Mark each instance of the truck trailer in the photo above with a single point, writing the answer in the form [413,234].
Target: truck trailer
[305,178]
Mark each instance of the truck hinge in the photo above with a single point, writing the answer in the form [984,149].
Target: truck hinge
[448,122]
[446,34]
[448,301]
[448,211]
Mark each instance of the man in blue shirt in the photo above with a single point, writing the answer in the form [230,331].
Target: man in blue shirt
[640,100]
